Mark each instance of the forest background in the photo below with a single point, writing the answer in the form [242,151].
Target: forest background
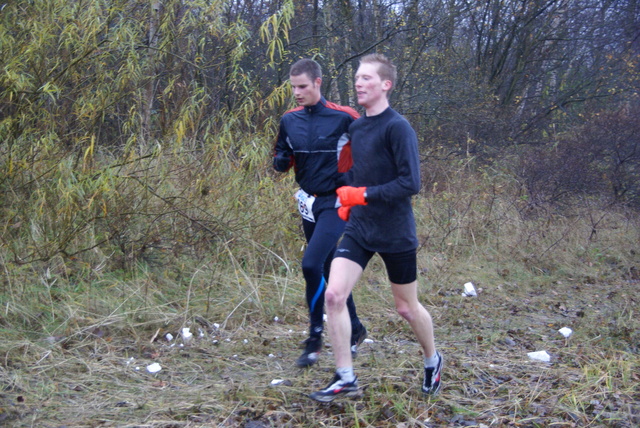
[137,198]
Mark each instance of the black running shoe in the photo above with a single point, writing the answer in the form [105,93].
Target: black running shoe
[336,388]
[311,352]
[431,383]
[357,337]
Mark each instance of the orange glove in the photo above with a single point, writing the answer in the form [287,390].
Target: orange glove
[344,212]
[350,196]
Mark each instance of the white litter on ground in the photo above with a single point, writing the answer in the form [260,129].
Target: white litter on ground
[186,334]
[469,290]
[565,331]
[540,356]
[154,368]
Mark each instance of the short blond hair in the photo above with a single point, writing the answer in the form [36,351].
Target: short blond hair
[386,69]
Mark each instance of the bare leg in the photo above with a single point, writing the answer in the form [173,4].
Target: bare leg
[343,277]
[410,308]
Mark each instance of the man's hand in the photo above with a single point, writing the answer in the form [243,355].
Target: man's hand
[351,196]
[282,163]
[344,212]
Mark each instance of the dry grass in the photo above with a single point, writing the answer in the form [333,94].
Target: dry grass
[77,336]
[96,375]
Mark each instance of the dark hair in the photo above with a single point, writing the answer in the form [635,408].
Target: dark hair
[386,69]
[306,66]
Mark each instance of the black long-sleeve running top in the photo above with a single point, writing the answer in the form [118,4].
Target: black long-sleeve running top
[386,162]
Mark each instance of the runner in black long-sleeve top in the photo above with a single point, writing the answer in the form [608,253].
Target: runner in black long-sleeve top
[377,202]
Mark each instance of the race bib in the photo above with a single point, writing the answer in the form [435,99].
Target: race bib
[305,205]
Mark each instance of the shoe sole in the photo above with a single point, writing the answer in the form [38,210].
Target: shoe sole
[308,362]
[330,398]
[433,391]
[305,365]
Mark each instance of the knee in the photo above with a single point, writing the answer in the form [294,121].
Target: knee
[412,313]
[333,299]
[406,311]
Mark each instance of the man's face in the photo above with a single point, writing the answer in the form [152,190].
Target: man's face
[370,89]
[305,91]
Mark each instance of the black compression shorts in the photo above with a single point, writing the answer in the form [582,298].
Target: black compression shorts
[401,267]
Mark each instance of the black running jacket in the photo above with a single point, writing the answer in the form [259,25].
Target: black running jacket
[315,142]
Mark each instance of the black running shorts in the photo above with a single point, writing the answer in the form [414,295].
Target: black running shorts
[401,267]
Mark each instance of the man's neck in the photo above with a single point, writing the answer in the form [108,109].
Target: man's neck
[378,108]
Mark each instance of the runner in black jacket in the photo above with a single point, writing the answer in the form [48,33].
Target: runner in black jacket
[377,202]
[313,139]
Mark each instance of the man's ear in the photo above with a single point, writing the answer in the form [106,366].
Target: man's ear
[386,85]
[318,81]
